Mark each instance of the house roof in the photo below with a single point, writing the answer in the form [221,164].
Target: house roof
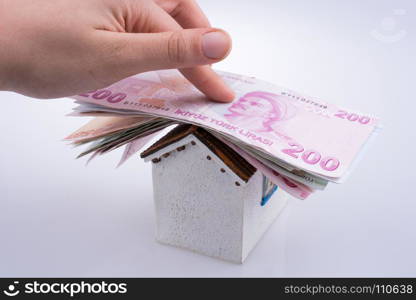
[231,159]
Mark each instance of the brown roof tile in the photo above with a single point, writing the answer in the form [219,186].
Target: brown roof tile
[232,159]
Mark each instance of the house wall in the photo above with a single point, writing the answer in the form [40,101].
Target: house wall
[199,207]
[257,218]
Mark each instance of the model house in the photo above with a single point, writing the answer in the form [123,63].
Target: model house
[208,198]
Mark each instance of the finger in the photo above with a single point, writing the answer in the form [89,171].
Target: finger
[140,52]
[209,83]
[186,12]
[203,77]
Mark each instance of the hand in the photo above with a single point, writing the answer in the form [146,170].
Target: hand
[59,48]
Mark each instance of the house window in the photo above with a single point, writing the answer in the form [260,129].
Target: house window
[268,190]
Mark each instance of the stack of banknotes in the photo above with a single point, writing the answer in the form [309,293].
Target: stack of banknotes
[300,143]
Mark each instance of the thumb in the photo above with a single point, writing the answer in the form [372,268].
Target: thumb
[140,52]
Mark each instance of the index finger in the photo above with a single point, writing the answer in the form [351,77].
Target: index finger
[208,82]
[202,77]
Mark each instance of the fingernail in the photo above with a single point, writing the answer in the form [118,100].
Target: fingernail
[215,44]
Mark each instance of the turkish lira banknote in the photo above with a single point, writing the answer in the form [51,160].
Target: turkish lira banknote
[302,139]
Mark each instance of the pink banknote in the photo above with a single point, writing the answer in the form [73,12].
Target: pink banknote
[295,189]
[302,131]
[101,126]
[135,146]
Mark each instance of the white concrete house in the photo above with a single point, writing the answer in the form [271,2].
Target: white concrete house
[208,198]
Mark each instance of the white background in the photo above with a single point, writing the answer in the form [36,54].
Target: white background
[60,218]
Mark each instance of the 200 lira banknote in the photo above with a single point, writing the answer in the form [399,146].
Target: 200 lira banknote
[309,138]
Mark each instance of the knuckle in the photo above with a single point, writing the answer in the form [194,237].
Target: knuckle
[177,48]
[185,5]
[186,2]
